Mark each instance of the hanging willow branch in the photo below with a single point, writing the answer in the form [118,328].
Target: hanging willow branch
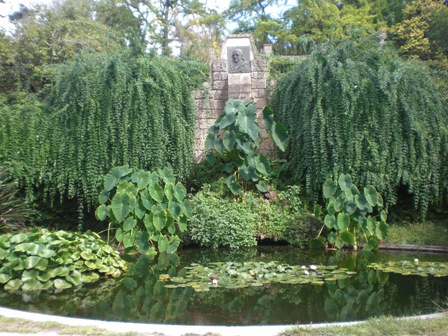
[359,109]
[107,111]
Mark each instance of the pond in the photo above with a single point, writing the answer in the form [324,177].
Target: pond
[155,291]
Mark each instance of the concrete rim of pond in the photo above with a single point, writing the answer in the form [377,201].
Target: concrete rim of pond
[172,330]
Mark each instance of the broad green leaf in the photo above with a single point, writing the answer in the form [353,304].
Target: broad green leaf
[29,275]
[142,241]
[119,235]
[280,136]
[211,159]
[343,221]
[142,179]
[383,215]
[330,221]
[268,119]
[112,178]
[4,278]
[146,199]
[361,201]
[371,224]
[32,261]
[262,186]
[329,188]
[347,237]
[162,244]
[233,106]
[167,175]
[233,185]
[19,238]
[139,210]
[173,244]
[210,142]
[247,123]
[148,222]
[169,191]
[332,237]
[62,284]
[180,192]
[182,223]
[228,168]
[262,165]
[101,212]
[129,224]
[227,120]
[186,208]
[160,219]
[175,209]
[381,230]
[219,145]
[44,276]
[350,207]
[103,197]
[339,243]
[120,206]
[371,195]
[128,239]
[345,181]
[13,284]
[156,192]
[247,173]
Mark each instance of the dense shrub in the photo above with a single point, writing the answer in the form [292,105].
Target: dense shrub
[105,111]
[358,108]
[219,221]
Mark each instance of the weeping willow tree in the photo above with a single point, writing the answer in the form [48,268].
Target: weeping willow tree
[105,111]
[357,108]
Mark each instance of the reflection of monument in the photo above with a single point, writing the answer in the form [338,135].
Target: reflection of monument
[238,64]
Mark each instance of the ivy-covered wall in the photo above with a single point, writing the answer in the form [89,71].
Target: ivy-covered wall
[358,108]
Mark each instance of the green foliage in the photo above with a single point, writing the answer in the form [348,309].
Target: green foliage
[358,108]
[146,208]
[349,216]
[42,260]
[219,222]
[237,134]
[106,111]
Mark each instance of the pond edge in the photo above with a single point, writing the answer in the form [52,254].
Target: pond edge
[177,330]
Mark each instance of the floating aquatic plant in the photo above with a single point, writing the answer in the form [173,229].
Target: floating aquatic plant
[232,275]
[405,267]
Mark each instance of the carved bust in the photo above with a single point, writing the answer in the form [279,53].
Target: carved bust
[238,64]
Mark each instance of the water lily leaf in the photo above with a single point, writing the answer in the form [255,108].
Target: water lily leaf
[29,275]
[87,255]
[13,284]
[62,284]
[44,276]
[31,285]
[4,278]
[32,261]
[19,238]
[75,278]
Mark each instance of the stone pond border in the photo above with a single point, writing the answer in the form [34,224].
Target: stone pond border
[173,330]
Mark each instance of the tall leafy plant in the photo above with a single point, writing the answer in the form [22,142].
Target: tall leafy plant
[237,135]
[358,108]
[146,209]
[352,216]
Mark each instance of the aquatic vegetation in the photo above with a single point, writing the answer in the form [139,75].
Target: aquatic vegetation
[415,267]
[233,275]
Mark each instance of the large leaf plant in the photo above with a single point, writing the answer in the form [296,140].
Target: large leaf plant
[352,216]
[237,136]
[146,209]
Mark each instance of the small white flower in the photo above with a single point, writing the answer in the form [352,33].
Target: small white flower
[306,272]
[313,267]
[303,267]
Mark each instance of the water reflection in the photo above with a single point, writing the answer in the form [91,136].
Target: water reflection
[141,297]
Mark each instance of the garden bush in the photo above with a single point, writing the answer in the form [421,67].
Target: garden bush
[357,108]
[219,221]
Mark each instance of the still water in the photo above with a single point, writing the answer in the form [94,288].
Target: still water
[141,296]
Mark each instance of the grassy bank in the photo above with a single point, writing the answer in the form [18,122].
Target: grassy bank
[421,233]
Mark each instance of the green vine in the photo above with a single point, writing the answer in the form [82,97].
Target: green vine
[105,111]
[359,108]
